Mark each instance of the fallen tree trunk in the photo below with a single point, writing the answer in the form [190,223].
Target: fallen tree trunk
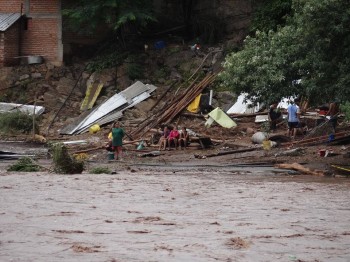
[300,168]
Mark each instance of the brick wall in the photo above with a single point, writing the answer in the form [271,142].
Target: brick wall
[43,34]
[41,38]
[11,45]
[2,48]
[44,6]
[11,6]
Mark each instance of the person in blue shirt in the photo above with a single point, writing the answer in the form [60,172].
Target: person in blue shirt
[293,118]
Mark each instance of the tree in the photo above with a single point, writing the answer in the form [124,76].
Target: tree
[119,15]
[270,14]
[313,47]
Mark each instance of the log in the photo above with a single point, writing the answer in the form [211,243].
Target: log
[300,168]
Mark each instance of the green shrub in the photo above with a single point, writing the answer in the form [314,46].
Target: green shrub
[17,122]
[210,29]
[107,60]
[25,164]
[134,67]
[345,108]
[63,162]
[100,170]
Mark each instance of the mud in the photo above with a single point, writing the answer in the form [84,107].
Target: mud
[183,215]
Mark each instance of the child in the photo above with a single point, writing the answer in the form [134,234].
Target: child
[184,138]
[173,137]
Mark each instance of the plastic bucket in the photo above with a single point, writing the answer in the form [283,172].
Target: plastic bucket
[110,155]
[94,129]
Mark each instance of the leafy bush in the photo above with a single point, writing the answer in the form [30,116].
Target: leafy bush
[135,69]
[25,164]
[210,29]
[17,122]
[63,162]
[107,60]
[345,108]
[100,170]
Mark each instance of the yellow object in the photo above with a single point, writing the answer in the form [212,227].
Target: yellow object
[194,106]
[92,92]
[221,118]
[94,129]
[266,145]
[81,156]
[110,136]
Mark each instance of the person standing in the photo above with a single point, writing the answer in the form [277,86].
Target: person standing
[332,114]
[117,140]
[274,116]
[293,118]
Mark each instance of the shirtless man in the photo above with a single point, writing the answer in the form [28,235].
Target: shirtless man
[333,114]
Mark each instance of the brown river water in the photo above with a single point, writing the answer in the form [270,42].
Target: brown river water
[211,215]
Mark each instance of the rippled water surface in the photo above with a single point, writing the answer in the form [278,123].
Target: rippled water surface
[142,216]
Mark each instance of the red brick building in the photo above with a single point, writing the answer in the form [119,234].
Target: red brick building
[34,30]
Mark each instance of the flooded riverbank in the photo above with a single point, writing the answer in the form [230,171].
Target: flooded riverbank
[149,216]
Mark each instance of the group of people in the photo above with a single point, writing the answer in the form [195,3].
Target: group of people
[293,116]
[169,137]
[173,137]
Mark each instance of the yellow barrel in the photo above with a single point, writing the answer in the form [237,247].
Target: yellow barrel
[94,129]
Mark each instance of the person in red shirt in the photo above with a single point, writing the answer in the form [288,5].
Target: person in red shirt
[173,137]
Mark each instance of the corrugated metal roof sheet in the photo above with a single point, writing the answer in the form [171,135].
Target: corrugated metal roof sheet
[8,19]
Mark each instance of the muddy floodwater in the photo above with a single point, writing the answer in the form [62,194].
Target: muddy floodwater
[174,216]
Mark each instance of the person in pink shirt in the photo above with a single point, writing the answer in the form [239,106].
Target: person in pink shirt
[173,137]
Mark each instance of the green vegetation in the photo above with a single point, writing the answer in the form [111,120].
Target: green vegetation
[345,108]
[270,15]
[25,164]
[100,170]
[307,56]
[208,28]
[107,60]
[120,16]
[18,93]
[63,162]
[135,69]
[17,122]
